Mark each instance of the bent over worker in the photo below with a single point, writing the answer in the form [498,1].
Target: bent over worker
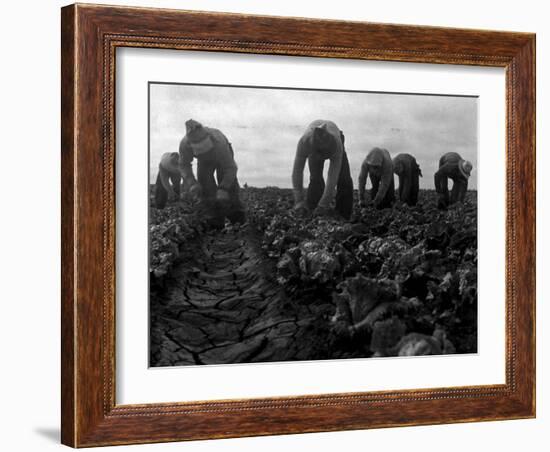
[219,195]
[379,167]
[408,172]
[452,166]
[321,141]
[168,184]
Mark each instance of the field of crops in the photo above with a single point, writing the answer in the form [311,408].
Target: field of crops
[282,287]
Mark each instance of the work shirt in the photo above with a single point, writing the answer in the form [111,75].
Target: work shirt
[379,158]
[328,151]
[219,157]
[168,166]
[448,168]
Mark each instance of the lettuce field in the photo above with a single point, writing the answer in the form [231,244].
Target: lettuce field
[284,287]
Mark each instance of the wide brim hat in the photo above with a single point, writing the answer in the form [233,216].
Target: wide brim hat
[465,168]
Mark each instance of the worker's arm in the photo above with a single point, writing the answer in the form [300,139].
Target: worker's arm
[302,153]
[441,182]
[363,181]
[385,181]
[332,178]
[185,164]
[164,179]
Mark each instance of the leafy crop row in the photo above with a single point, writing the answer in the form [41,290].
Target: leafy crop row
[403,281]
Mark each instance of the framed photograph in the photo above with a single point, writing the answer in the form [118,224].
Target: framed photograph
[281,225]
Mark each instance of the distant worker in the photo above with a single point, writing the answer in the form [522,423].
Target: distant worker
[168,173]
[379,167]
[452,166]
[408,172]
[219,196]
[322,141]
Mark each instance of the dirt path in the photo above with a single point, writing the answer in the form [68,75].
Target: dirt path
[221,305]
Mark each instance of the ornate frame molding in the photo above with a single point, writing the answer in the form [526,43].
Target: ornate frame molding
[90,37]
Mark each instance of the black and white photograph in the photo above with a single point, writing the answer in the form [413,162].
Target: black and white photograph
[292,224]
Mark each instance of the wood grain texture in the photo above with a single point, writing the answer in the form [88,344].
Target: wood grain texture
[68,298]
[90,36]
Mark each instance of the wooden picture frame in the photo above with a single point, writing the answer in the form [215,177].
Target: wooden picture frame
[90,35]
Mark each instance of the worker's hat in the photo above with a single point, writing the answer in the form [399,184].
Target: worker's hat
[375,157]
[465,168]
[198,138]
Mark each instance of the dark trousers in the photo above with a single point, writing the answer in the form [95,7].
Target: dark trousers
[215,211]
[344,186]
[408,189]
[389,198]
[161,195]
[458,192]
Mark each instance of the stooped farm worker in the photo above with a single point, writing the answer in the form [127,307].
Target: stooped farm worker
[322,141]
[452,166]
[219,195]
[408,172]
[379,167]
[168,184]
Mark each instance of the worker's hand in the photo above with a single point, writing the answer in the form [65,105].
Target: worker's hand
[195,191]
[222,195]
[301,208]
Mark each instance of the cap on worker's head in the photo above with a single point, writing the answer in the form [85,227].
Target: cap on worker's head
[465,168]
[322,126]
[320,131]
[198,137]
[194,130]
[375,158]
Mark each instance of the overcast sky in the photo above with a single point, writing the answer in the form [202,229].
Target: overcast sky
[264,126]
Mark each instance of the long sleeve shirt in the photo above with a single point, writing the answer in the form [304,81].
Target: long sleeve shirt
[307,149]
[379,158]
[168,166]
[448,168]
[220,156]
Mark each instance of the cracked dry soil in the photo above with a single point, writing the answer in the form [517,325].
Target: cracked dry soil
[222,305]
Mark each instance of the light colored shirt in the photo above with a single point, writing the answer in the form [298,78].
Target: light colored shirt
[332,151]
